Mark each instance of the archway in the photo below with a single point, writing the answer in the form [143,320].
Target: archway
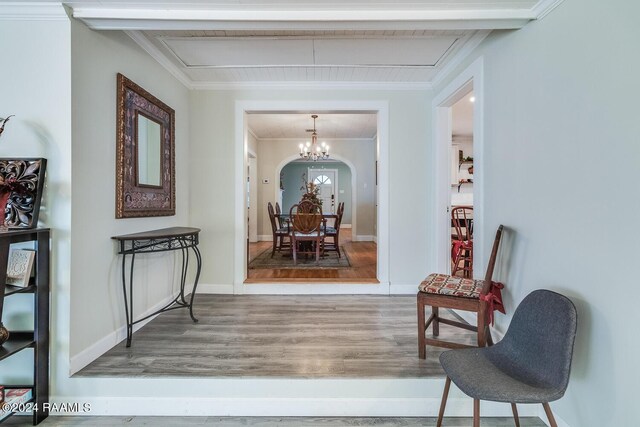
[354,187]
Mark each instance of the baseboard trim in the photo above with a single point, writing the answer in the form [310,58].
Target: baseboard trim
[265,237]
[312,407]
[345,225]
[91,353]
[403,289]
[471,318]
[206,288]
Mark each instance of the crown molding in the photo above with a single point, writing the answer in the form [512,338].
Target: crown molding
[156,54]
[544,7]
[32,11]
[311,85]
[252,133]
[459,57]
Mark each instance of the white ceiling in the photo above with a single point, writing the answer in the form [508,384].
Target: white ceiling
[222,43]
[328,125]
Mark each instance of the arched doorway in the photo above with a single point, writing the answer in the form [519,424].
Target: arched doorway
[353,179]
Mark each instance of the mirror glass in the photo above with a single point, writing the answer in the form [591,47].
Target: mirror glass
[149,150]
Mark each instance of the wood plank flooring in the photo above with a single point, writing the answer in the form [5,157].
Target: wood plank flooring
[271,421]
[362,256]
[280,336]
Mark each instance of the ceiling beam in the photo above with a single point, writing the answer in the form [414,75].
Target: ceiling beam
[101,18]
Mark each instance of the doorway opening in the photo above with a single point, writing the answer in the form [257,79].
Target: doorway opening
[458,172]
[462,170]
[345,188]
[356,175]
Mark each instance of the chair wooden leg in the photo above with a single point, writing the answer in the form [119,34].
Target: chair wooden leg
[489,338]
[317,252]
[422,350]
[275,243]
[516,419]
[547,410]
[436,323]
[443,403]
[476,413]
[294,250]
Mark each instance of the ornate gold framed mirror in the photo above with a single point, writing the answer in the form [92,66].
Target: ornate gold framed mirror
[145,157]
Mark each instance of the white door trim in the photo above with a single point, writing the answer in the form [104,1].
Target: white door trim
[382,150]
[471,77]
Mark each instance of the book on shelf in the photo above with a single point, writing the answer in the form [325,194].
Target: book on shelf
[13,398]
[20,266]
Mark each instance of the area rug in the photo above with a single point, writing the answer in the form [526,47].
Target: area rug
[330,260]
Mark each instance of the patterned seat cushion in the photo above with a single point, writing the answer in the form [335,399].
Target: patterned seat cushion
[443,284]
[329,230]
[298,234]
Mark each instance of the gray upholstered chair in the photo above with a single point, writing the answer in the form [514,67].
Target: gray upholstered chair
[530,365]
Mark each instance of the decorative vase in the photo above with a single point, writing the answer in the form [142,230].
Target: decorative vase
[4,199]
[4,334]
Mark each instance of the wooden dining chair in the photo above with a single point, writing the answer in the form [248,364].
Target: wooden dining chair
[462,241]
[445,291]
[306,223]
[333,232]
[279,220]
[281,235]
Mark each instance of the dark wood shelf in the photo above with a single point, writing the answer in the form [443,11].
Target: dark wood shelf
[3,417]
[10,290]
[17,341]
[38,338]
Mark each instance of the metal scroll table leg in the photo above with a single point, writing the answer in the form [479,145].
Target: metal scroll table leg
[128,304]
[196,251]
[185,268]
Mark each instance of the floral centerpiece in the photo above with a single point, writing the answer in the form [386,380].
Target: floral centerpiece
[311,191]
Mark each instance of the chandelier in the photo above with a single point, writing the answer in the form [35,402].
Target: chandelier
[311,150]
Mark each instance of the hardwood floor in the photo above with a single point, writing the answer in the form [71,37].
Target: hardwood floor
[362,257]
[281,336]
[67,421]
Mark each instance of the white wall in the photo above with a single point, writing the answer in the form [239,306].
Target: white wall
[212,153]
[96,291]
[562,155]
[361,153]
[35,76]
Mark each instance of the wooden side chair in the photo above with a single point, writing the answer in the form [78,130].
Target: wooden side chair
[334,232]
[281,235]
[462,241]
[530,365]
[445,291]
[306,226]
[279,221]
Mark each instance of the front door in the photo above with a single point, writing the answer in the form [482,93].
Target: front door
[327,181]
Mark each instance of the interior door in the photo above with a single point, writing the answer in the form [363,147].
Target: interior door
[327,181]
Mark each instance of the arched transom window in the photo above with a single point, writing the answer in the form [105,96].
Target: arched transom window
[322,179]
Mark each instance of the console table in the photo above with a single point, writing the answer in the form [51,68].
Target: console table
[166,239]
